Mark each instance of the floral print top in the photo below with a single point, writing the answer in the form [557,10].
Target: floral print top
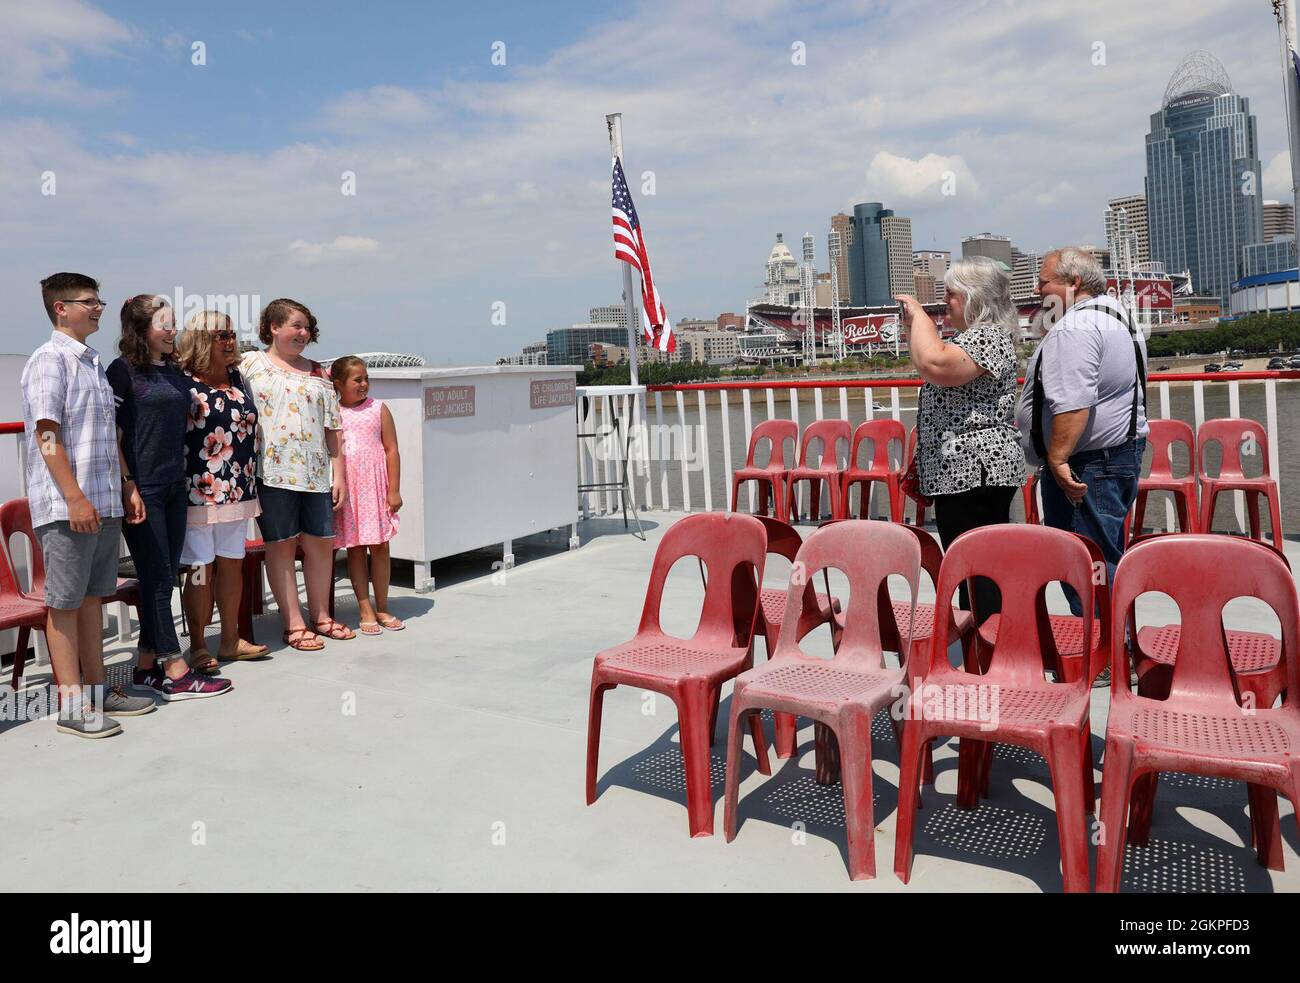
[967,433]
[294,411]
[221,452]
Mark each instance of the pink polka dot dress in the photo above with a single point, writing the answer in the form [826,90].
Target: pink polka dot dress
[365,518]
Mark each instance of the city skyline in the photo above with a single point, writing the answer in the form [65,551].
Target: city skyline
[480,184]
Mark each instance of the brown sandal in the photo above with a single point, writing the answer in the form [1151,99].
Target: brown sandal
[335,627]
[203,662]
[301,643]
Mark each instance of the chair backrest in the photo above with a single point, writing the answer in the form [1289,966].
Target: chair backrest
[1164,434]
[733,548]
[829,433]
[776,431]
[882,434]
[867,553]
[1229,433]
[16,519]
[1021,560]
[1202,573]
[783,539]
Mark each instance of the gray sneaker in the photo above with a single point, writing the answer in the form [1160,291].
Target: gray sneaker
[89,725]
[118,704]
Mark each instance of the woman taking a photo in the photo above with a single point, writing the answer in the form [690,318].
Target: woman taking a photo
[221,482]
[968,449]
[300,479]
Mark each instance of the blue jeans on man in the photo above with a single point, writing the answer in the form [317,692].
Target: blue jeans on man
[1111,475]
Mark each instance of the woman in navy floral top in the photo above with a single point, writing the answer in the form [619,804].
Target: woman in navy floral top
[221,476]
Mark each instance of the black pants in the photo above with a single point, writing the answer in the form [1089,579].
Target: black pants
[155,546]
[956,514]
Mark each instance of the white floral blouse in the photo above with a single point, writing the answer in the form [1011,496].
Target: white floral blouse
[294,411]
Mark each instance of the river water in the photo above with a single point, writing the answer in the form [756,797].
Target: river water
[664,442]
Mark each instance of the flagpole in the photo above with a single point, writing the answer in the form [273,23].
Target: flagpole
[1286,25]
[614,123]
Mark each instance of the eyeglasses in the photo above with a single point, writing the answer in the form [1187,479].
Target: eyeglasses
[224,335]
[96,302]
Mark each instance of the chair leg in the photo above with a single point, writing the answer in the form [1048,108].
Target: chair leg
[1185,514]
[735,737]
[595,707]
[1065,759]
[970,757]
[1252,511]
[760,743]
[20,657]
[1266,829]
[826,755]
[1117,778]
[764,494]
[1139,514]
[786,734]
[1275,516]
[909,795]
[815,500]
[855,773]
[1208,498]
[1089,782]
[693,704]
[713,718]
[1143,807]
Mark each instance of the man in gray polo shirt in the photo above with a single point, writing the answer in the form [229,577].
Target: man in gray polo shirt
[1088,381]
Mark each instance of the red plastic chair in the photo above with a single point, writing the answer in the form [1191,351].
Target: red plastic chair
[17,612]
[881,434]
[845,692]
[1257,669]
[913,442]
[1164,434]
[818,609]
[691,671]
[815,470]
[773,475]
[1229,433]
[1200,727]
[1050,718]
[251,601]
[16,519]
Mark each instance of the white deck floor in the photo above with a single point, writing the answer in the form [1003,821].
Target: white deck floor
[462,768]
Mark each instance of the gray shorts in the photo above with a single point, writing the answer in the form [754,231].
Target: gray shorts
[79,565]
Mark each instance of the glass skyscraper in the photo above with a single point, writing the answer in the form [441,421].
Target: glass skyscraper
[869,256]
[1203,185]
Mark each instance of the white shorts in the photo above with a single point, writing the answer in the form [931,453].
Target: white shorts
[204,543]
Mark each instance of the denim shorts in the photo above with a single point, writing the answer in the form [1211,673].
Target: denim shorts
[79,565]
[286,513]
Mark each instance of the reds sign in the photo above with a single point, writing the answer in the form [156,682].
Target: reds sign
[1149,293]
[873,329]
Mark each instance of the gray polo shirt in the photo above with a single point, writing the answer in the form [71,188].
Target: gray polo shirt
[1088,362]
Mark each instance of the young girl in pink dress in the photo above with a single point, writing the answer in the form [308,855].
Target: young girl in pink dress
[367,519]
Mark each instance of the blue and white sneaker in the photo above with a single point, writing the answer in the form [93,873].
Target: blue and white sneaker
[193,686]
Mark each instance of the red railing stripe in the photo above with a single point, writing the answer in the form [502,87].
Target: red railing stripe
[915,383]
[7,428]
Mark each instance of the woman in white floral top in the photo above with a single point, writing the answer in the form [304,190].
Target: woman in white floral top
[300,479]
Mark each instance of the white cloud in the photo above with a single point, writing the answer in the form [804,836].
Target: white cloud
[341,249]
[1277,176]
[1061,191]
[901,180]
[41,43]
[380,105]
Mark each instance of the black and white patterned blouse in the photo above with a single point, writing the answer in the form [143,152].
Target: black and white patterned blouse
[967,434]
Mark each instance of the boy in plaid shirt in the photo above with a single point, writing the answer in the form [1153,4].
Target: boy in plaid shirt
[78,493]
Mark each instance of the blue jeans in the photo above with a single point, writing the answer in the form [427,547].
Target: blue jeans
[155,546]
[1111,475]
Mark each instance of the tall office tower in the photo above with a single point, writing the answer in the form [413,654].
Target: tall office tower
[935,263]
[1279,220]
[782,275]
[987,244]
[808,300]
[1024,277]
[843,225]
[869,256]
[1126,228]
[608,314]
[897,233]
[924,287]
[1203,177]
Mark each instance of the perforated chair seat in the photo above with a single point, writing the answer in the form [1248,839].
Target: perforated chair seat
[1210,735]
[669,660]
[772,600]
[1067,632]
[1031,708]
[1249,651]
[816,683]
[923,623]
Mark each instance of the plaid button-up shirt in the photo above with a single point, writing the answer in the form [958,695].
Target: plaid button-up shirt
[64,381]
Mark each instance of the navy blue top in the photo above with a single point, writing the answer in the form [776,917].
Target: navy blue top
[152,409]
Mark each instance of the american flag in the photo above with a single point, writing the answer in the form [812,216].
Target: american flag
[630,247]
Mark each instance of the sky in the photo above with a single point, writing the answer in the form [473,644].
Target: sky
[204,149]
